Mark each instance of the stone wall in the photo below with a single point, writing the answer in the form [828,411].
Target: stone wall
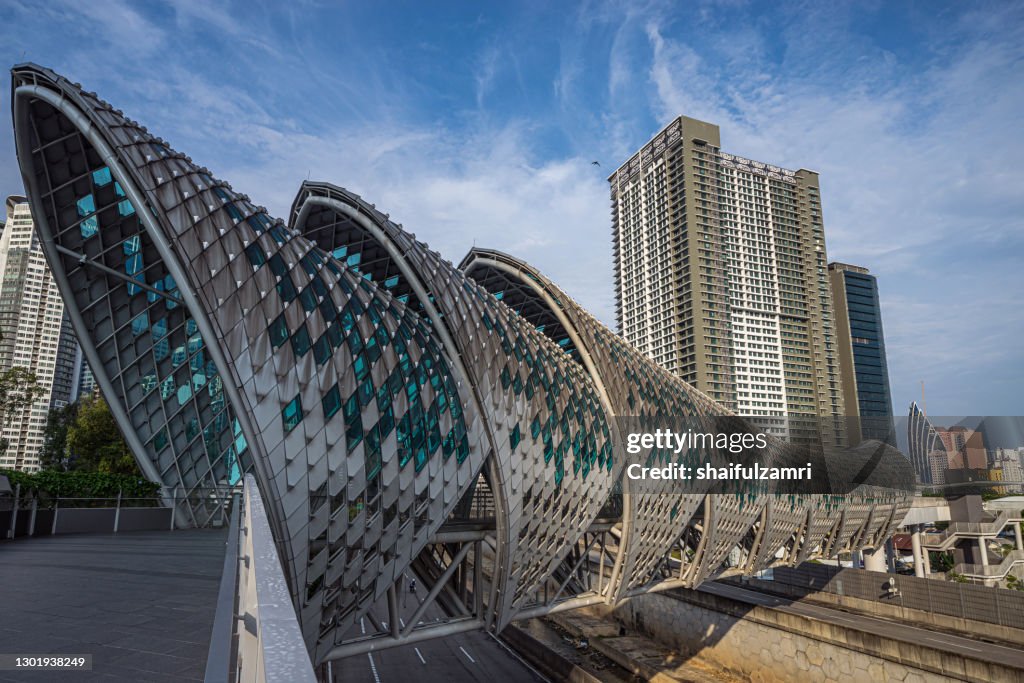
[771,646]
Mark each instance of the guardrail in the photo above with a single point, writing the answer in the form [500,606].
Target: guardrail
[956,530]
[256,636]
[50,515]
[991,571]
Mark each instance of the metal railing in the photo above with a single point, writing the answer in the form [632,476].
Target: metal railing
[991,571]
[256,637]
[223,646]
[957,530]
[38,515]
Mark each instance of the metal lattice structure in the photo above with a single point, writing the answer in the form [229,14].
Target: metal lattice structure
[399,414]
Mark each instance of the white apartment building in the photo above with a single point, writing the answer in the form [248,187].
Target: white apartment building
[35,334]
[720,276]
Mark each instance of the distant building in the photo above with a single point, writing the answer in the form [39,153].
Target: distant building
[85,382]
[36,335]
[938,465]
[925,447]
[1008,462]
[966,448]
[861,349]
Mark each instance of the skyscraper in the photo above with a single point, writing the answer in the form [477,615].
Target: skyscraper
[966,448]
[861,348]
[720,275]
[926,449]
[36,335]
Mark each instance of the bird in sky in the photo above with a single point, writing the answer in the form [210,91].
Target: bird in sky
[594,163]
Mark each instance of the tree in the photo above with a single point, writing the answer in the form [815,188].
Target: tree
[54,454]
[95,443]
[19,389]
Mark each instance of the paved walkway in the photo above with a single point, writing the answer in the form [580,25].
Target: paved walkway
[141,603]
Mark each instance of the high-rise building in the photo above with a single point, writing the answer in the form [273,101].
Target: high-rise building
[36,335]
[966,448]
[861,348]
[720,276]
[926,450]
[1007,460]
[938,463]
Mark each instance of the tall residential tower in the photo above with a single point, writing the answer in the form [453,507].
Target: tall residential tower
[720,274]
[35,335]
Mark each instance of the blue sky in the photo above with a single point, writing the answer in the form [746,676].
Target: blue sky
[476,123]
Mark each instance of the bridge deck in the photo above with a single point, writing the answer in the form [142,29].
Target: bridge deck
[140,603]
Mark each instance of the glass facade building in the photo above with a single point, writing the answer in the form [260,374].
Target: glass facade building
[371,386]
[862,351]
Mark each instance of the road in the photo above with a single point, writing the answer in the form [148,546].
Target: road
[900,631]
[471,656]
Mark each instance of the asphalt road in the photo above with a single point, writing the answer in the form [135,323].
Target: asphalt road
[471,656]
[899,631]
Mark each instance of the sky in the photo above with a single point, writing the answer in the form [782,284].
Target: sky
[477,123]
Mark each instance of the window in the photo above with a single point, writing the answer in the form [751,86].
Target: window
[277,265]
[101,177]
[292,414]
[255,253]
[332,402]
[300,342]
[308,300]
[140,324]
[286,289]
[322,350]
[233,211]
[278,332]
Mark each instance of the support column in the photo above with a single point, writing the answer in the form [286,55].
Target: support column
[983,549]
[875,560]
[1017,536]
[915,546]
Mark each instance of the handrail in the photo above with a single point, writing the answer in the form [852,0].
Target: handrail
[991,571]
[219,668]
[271,648]
[943,540]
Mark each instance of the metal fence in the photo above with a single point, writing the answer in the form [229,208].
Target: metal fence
[29,515]
[966,601]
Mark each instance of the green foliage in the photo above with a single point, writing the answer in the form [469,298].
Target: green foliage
[95,444]
[957,578]
[1014,583]
[55,484]
[940,561]
[18,390]
[54,454]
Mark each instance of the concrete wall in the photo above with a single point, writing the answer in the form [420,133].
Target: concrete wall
[970,628]
[770,646]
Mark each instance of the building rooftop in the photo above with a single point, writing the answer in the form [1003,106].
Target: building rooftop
[836,265]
